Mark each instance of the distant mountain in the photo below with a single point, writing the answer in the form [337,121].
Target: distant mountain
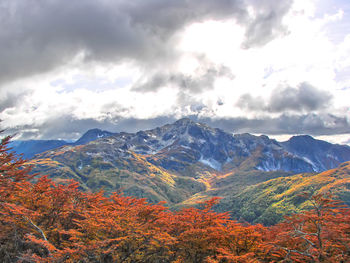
[184,143]
[31,147]
[92,135]
[320,154]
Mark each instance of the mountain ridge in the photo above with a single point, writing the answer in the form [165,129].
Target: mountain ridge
[214,147]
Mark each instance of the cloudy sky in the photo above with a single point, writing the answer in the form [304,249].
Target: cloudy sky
[275,67]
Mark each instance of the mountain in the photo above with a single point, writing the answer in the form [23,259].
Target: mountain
[31,147]
[101,165]
[186,162]
[92,135]
[320,154]
[186,143]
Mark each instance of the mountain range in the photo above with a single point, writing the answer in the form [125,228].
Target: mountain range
[29,148]
[186,161]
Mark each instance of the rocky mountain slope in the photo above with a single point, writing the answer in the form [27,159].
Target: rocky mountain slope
[185,142]
[92,135]
[320,154]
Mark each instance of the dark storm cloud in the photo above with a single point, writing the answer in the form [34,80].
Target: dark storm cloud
[313,124]
[203,79]
[267,23]
[68,128]
[61,127]
[9,99]
[135,124]
[65,127]
[285,124]
[304,98]
[37,36]
[185,100]
[248,102]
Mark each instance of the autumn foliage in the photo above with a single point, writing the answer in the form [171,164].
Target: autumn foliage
[41,221]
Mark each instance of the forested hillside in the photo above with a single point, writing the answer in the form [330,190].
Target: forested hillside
[41,221]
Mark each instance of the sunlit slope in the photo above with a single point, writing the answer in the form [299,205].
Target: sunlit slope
[119,171]
[268,201]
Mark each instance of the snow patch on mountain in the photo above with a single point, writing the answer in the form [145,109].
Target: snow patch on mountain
[211,163]
[316,169]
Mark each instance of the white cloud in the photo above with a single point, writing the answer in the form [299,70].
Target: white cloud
[105,89]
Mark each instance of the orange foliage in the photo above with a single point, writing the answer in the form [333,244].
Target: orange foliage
[319,235]
[45,222]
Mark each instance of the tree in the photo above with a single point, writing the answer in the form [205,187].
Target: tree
[319,235]
[14,177]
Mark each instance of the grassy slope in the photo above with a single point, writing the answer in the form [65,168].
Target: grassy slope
[269,201]
[133,175]
[250,195]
